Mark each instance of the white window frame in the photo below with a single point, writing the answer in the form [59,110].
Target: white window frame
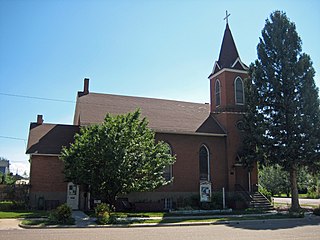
[235,91]
[215,92]
[208,162]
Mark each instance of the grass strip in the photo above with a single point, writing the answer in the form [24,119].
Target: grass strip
[23,214]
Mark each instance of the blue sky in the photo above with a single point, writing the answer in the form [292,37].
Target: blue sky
[161,49]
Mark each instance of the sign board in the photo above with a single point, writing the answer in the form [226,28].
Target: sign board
[205,192]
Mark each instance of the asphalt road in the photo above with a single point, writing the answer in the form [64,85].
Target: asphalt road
[308,228]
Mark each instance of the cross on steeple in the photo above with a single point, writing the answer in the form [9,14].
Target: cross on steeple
[227,15]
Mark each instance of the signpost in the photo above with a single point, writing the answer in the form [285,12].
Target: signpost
[205,191]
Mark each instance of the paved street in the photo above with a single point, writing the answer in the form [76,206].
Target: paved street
[308,228]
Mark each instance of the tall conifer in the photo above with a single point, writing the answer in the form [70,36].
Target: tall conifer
[283,116]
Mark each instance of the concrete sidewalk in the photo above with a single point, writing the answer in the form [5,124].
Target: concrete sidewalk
[302,201]
[82,220]
[9,224]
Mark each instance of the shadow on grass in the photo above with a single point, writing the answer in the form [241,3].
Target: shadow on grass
[275,223]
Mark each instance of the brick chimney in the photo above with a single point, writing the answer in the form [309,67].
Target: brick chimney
[86,86]
[39,119]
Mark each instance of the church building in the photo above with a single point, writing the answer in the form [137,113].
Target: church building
[205,138]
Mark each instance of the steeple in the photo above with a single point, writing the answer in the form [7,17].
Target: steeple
[229,56]
[227,77]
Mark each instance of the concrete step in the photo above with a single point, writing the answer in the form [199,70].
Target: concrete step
[260,202]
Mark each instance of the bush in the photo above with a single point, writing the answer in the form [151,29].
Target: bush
[316,211]
[12,205]
[265,192]
[6,205]
[103,214]
[62,215]
[312,193]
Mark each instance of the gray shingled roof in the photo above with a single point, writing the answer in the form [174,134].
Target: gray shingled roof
[163,115]
[50,138]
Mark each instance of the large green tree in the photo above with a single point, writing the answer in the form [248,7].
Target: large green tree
[274,179]
[116,157]
[283,117]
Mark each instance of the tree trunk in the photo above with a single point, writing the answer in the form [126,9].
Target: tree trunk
[295,206]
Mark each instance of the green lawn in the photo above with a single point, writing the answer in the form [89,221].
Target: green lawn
[23,214]
[209,220]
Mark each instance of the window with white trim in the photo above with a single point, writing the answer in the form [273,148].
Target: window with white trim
[217,91]
[204,163]
[239,91]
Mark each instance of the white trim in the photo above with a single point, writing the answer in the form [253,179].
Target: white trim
[241,63]
[235,91]
[208,161]
[215,93]
[214,66]
[229,70]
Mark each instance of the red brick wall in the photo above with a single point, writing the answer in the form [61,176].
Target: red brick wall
[228,114]
[227,89]
[186,168]
[46,174]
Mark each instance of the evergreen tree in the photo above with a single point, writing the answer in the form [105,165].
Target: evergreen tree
[283,116]
[116,157]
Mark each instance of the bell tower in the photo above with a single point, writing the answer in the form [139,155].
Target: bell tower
[227,100]
[227,78]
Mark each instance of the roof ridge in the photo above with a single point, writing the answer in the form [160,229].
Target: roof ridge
[153,98]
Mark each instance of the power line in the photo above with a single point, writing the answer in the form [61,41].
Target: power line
[15,138]
[49,99]
[38,98]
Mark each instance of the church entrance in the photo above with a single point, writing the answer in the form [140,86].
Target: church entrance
[242,178]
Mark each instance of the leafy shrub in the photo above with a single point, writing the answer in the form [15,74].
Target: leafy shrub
[62,215]
[312,193]
[101,209]
[107,218]
[6,205]
[11,205]
[103,214]
[265,192]
[316,211]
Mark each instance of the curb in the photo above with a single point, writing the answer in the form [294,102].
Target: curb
[128,225]
[142,225]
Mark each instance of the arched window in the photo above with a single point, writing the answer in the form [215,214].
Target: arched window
[167,172]
[204,166]
[239,91]
[217,92]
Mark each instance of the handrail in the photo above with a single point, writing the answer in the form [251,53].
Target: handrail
[244,192]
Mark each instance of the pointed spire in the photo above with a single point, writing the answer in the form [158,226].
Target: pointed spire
[229,56]
[228,53]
